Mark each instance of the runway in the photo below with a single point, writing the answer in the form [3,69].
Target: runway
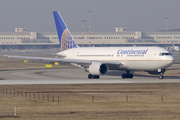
[73,76]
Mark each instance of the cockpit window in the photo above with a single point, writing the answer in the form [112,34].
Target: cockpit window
[163,54]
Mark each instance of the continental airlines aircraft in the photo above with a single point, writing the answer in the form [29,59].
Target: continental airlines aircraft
[99,60]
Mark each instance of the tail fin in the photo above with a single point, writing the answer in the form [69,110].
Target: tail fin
[65,38]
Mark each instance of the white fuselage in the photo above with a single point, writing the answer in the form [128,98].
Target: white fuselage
[132,58]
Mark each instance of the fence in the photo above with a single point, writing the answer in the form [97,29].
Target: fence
[93,97]
[88,98]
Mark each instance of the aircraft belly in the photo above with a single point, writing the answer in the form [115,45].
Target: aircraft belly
[138,65]
[165,64]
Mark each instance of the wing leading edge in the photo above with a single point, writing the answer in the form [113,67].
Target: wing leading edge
[76,61]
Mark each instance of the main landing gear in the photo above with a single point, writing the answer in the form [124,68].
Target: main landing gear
[93,76]
[127,75]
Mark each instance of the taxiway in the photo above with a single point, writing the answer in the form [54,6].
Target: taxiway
[73,76]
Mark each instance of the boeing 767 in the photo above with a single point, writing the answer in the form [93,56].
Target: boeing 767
[99,60]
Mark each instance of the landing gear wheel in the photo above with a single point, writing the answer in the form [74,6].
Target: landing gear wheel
[90,76]
[130,75]
[123,76]
[127,76]
[93,76]
[96,76]
[161,77]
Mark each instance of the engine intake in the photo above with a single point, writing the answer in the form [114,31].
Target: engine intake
[98,68]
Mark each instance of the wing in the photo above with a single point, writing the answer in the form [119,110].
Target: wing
[83,63]
[54,54]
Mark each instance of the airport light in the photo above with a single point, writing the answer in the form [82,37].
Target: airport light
[83,32]
[167,24]
[90,28]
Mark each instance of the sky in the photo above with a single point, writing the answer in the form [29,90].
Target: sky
[136,15]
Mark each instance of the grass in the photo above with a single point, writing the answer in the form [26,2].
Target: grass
[75,102]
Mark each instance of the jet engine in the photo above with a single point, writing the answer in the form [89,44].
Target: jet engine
[98,68]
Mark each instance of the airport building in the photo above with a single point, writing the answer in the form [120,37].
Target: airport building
[21,39]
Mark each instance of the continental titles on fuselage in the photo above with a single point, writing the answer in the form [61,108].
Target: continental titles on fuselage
[131,51]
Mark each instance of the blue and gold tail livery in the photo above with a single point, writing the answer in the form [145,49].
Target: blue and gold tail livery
[65,38]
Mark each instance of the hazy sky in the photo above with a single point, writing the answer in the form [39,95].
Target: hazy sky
[136,15]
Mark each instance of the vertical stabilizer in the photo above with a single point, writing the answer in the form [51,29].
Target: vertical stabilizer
[66,40]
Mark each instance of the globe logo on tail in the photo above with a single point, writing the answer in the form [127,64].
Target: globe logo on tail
[67,41]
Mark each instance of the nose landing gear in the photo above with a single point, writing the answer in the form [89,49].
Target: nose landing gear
[161,74]
[161,77]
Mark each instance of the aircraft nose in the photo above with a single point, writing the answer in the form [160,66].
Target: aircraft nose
[171,60]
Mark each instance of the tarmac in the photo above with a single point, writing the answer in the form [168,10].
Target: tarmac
[75,76]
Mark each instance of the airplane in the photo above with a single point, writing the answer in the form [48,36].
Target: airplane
[173,48]
[99,60]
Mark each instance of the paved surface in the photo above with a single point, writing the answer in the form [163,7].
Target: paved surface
[73,76]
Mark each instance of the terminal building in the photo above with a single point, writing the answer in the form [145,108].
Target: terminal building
[21,39]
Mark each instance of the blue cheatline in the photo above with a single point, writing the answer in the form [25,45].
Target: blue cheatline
[66,40]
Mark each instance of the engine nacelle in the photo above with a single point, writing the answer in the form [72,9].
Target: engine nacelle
[98,68]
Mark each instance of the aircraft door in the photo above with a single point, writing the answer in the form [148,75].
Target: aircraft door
[156,57]
[113,56]
[149,55]
[159,56]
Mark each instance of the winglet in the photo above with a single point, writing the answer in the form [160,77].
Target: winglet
[65,38]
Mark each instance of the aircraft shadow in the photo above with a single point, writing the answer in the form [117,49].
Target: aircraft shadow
[119,73]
